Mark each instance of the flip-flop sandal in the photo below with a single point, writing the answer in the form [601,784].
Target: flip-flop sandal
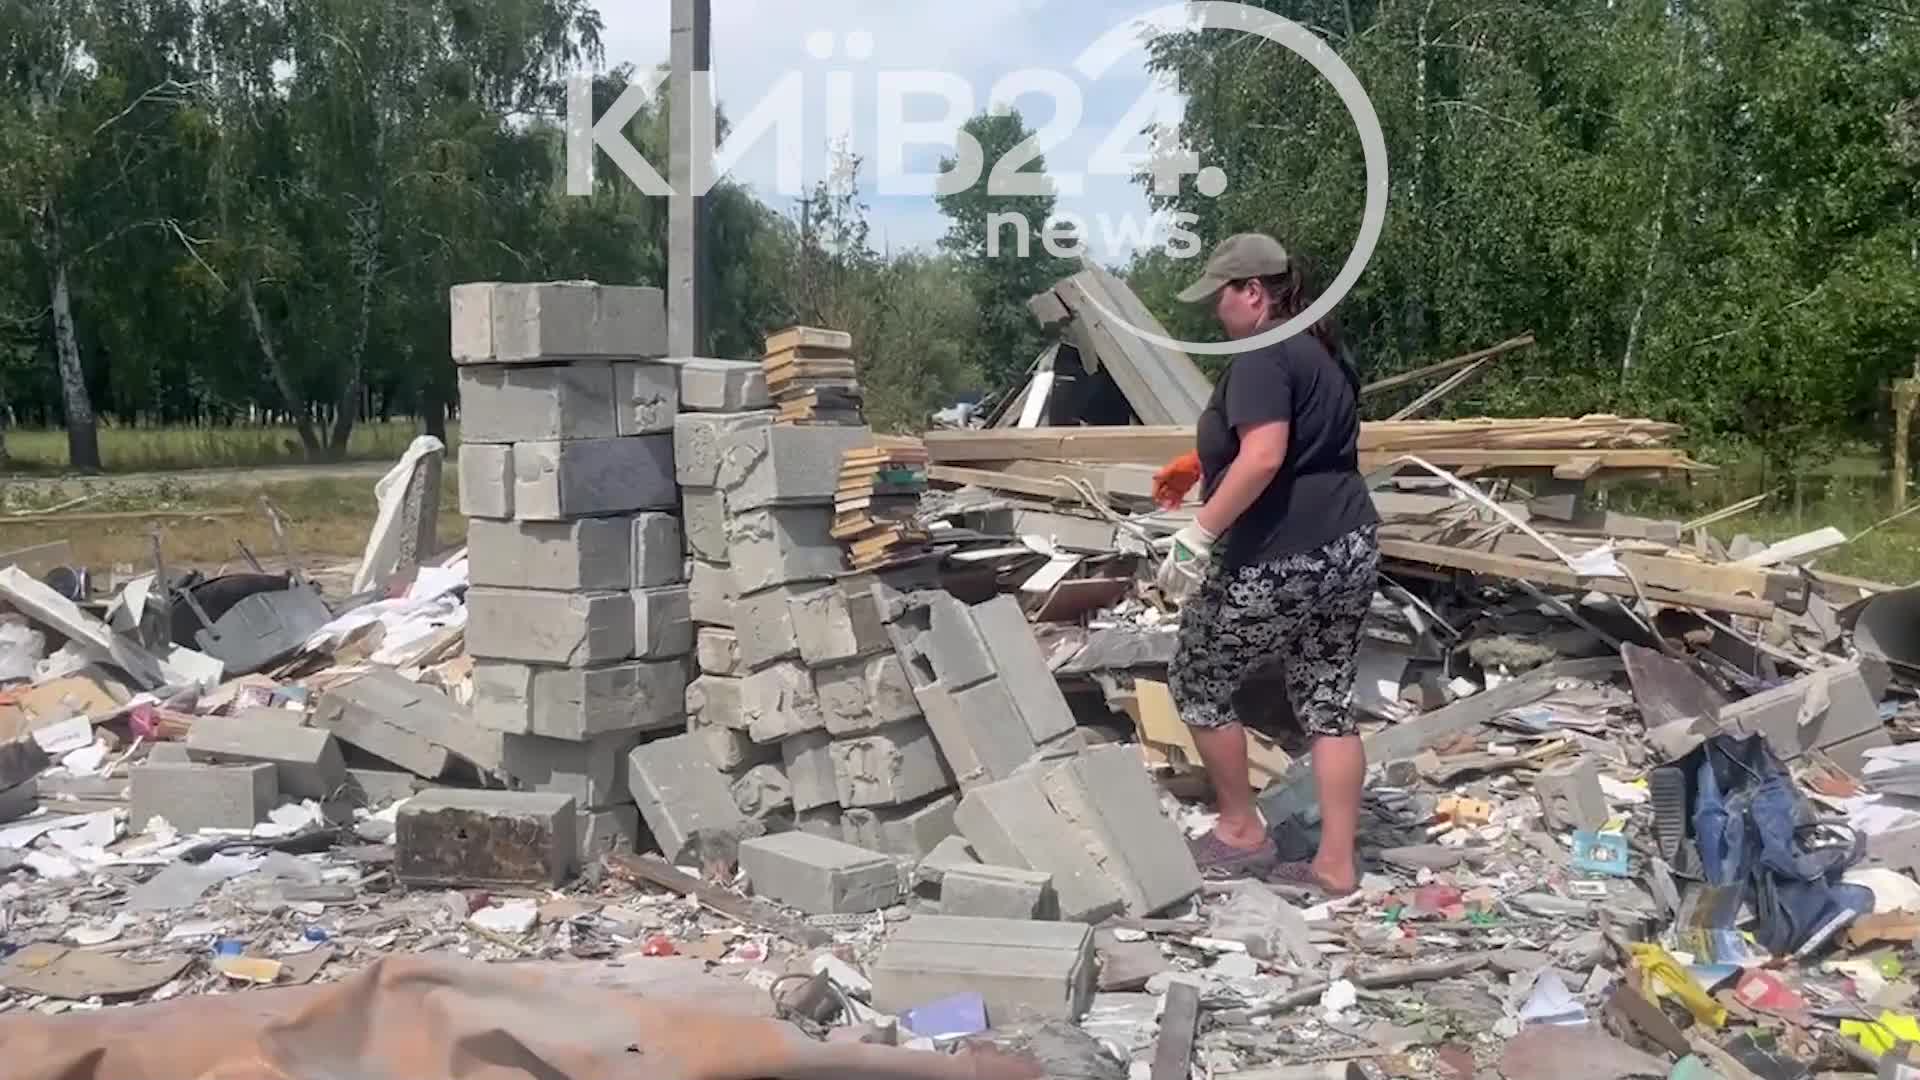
[1301,875]
[1218,859]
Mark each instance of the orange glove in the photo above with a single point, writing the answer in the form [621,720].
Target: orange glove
[1171,484]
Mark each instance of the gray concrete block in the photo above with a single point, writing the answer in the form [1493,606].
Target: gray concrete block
[859,696]
[168,753]
[1011,823]
[1571,797]
[503,696]
[725,386]
[978,729]
[895,765]
[905,832]
[1044,970]
[819,821]
[716,699]
[518,403]
[946,855]
[486,481]
[662,622]
[711,596]
[570,629]
[659,554]
[559,321]
[765,625]
[998,892]
[1021,665]
[717,650]
[829,627]
[471,306]
[395,723]
[580,703]
[194,797]
[781,545]
[731,749]
[700,441]
[456,837]
[762,791]
[1849,711]
[555,481]
[307,759]
[592,773]
[952,644]
[764,466]
[646,398]
[564,556]
[819,876]
[779,702]
[375,788]
[809,764]
[682,796]
[705,510]
[1105,793]
[1067,530]
[614,830]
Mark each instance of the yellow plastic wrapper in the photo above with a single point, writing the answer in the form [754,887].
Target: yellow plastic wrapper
[1879,1037]
[1661,974]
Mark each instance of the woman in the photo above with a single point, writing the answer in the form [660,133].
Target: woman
[1289,541]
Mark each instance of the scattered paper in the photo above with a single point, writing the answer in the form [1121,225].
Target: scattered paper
[64,737]
[1551,1003]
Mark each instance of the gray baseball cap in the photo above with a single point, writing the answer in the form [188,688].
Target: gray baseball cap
[1247,255]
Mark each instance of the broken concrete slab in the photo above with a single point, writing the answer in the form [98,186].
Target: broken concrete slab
[717,651]
[1041,969]
[646,398]
[1011,823]
[1571,797]
[194,797]
[724,386]
[769,465]
[997,892]
[953,645]
[705,511]
[659,555]
[780,545]
[549,322]
[556,481]
[595,554]
[486,481]
[716,700]
[779,702]
[375,788]
[808,758]
[947,854]
[445,836]
[524,403]
[820,821]
[763,792]
[22,799]
[568,629]
[905,832]
[1818,710]
[681,795]
[662,622]
[700,442]
[1105,792]
[863,695]
[819,876]
[894,765]
[307,759]
[580,703]
[593,773]
[411,725]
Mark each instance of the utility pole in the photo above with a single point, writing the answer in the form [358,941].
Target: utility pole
[691,88]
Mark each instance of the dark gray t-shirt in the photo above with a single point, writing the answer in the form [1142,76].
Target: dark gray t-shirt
[1317,496]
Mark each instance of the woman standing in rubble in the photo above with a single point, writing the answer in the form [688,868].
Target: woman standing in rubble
[1287,550]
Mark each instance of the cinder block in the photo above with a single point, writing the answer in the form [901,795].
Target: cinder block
[731,749]
[1849,712]
[517,403]
[647,398]
[765,625]
[705,510]
[1105,793]
[307,759]
[780,545]
[1571,797]
[168,753]
[905,832]
[952,644]
[486,480]
[559,321]
[555,481]
[725,386]
[716,699]
[779,702]
[946,855]
[1041,969]
[997,892]
[711,595]
[1011,823]
[194,797]
[662,622]
[580,703]
[809,764]
[700,441]
[566,556]
[471,306]
[978,729]
[863,695]
[591,773]
[393,718]
[819,821]
[1021,665]
[762,791]
[717,650]
[570,629]
[681,795]
[764,466]
[503,696]
[819,876]
[374,788]
[659,556]
[894,765]
[456,837]
[612,831]
[830,627]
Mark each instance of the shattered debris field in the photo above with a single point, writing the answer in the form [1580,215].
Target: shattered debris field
[678,711]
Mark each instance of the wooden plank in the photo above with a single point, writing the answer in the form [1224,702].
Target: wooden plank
[1157,445]
[1452,383]
[994,480]
[1557,575]
[655,871]
[808,337]
[1579,468]
[1407,378]
[1179,1020]
[1664,571]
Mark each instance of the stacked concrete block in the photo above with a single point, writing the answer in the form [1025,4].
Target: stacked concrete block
[579,613]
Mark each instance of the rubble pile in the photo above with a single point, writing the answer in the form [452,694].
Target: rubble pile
[1636,805]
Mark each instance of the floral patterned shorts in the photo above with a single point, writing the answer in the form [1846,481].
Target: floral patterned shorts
[1301,612]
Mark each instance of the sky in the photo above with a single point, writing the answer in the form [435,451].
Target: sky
[973,45]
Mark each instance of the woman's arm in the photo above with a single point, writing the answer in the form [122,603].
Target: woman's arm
[1263,449]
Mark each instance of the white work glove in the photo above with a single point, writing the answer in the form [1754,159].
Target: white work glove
[1185,566]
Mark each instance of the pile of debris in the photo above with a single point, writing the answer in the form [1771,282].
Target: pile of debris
[1632,798]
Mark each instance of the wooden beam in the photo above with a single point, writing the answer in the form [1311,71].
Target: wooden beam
[996,480]
[1407,378]
[1179,1021]
[1558,576]
[1452,383]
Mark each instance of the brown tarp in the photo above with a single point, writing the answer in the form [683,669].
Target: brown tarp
[420,1018]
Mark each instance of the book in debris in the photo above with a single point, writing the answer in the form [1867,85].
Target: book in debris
[812,377]
[877,504]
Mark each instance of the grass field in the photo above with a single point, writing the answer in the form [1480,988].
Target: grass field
[165,449]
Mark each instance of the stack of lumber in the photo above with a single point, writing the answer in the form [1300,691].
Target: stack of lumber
[812,377]
[877,501]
